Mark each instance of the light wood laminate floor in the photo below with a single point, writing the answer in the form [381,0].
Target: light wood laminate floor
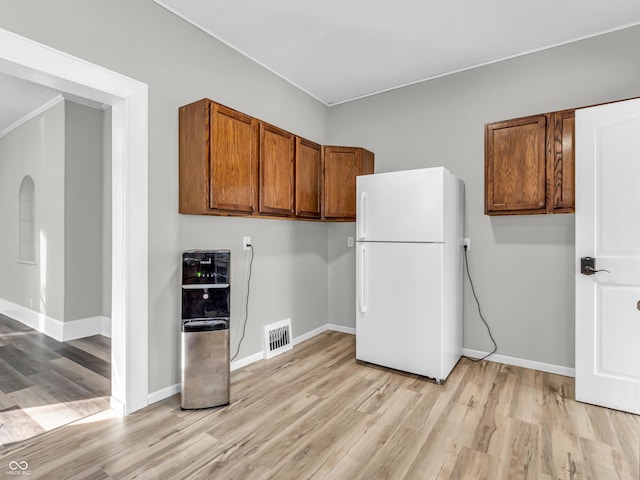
[316,413]
[45,383]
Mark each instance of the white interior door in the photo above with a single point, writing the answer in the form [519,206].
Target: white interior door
[608,229]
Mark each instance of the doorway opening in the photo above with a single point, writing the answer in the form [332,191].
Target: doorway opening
[90,84]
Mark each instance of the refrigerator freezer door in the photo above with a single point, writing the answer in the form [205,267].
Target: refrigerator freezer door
[399,306]
[405,206]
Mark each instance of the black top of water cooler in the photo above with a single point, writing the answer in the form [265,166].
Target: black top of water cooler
[205,267]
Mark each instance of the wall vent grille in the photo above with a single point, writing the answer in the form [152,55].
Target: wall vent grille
[277,338]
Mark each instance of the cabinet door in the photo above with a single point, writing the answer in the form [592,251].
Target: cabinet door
[561,161]
[194,157]
[341,165]
[515,167]
[308,168]
[276,170]
[340,170]
[233,161]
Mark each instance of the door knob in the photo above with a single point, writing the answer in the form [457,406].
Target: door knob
[588,266]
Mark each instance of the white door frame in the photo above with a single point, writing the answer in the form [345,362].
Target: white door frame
[128,98]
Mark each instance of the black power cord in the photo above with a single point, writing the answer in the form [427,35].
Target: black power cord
[246,306]
[495,345]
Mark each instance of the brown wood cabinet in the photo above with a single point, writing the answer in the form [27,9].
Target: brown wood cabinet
[308,167]
[218,159]
[234,164]
[276,149]
[341,165]
[561,162]
[529,165]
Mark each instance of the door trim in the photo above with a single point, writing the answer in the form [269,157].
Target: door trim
[85,82]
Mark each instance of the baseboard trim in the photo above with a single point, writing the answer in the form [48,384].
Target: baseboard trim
[86,327]
[163,393]
[522,362]
[311,334]
[243,362]
[117,405]
[340,328]
[54,328]
[38,321]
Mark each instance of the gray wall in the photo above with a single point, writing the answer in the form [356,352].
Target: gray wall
[522,266]
[35,148]
[181,64]
[83,212]
[288,277]
[61,149]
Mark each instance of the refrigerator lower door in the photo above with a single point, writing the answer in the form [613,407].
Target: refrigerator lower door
[399,306]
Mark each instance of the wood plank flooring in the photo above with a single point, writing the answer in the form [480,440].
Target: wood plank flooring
[45,384]
[316,413]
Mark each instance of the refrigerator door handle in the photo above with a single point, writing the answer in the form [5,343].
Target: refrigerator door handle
[362,273]
[362,233]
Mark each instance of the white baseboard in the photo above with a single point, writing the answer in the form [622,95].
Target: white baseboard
[340,328]
[86,327]
[164,393]
[311,334]
[521,362]
[54,328]
[38,321]
[243,362]
[117,405]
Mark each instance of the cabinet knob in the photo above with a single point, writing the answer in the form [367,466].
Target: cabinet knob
[541,204]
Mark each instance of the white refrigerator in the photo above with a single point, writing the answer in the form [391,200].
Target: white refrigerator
[409,270]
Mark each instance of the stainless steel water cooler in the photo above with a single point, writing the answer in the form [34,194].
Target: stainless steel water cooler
[205,328]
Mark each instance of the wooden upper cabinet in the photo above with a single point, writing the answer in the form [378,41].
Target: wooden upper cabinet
[308,168]
[233,161]
[276,148]
[234,164]
[529,165]
[561,161]
[515,167]
[341,166]
[218,157]
[193,147]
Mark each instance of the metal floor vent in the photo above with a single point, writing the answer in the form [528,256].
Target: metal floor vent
[277,338]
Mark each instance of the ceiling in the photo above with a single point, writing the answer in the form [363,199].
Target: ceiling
[19,99]
[340,50]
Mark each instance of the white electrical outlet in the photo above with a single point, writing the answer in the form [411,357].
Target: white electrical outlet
[246,241]
[349,241]
[467,243]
